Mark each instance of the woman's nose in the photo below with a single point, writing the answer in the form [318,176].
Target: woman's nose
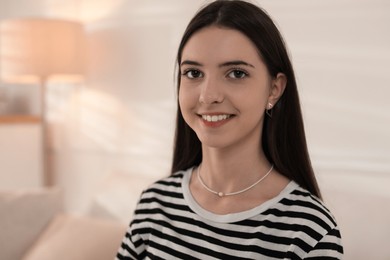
[211,92]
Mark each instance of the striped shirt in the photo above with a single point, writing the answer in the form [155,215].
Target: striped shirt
[169,224]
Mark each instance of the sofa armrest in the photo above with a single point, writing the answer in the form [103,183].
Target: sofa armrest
[24,214]
[78,238]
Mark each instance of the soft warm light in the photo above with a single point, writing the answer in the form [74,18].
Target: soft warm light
[41,48]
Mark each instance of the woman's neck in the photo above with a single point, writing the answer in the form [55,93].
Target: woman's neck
[229,170]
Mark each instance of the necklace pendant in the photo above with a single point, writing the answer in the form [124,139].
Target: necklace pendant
[221,194]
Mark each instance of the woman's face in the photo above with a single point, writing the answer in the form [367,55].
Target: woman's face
[224,87]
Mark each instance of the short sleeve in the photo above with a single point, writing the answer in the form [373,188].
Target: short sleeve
[132,246]
[128,249]
[328,248]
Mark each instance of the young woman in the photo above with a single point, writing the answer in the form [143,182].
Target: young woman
[242,186]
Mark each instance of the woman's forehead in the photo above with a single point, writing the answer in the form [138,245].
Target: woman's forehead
[220,44]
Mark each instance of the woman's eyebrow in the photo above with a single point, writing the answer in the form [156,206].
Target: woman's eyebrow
[225,64]
[190,62]
[236,63]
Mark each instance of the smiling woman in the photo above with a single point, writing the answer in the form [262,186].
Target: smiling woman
[242,186]
[215,80]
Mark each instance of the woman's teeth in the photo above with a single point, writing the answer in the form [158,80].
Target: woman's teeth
[215,118]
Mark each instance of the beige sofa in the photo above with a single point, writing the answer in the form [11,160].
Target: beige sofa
[34,227]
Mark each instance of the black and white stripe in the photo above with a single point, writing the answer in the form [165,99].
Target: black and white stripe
[167,225]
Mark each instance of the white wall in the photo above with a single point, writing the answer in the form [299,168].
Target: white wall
[121,120]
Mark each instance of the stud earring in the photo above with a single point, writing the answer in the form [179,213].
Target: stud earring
[269,111]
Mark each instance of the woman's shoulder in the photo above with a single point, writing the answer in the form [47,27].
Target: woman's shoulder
[317,221]
[164,193]
[306,209]
[167,185]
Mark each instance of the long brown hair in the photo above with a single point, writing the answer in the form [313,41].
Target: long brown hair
[283,138]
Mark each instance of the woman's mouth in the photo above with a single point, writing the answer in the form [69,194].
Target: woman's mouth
[215,120]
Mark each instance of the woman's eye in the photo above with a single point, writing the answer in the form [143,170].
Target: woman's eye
[193,74]
[237,74]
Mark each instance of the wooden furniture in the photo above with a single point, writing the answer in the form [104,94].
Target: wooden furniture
[21,152]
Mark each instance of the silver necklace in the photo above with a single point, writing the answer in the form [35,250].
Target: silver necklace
[221,194]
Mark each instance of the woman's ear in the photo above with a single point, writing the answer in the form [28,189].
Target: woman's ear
[278,85]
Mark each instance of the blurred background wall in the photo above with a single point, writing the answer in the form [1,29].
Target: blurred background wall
[120,120]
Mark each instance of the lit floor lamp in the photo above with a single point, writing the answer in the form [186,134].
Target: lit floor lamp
[39,50]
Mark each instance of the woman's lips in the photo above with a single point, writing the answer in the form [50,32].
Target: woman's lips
[215,120]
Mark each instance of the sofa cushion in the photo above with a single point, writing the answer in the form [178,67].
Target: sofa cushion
[78,238]
[23,216]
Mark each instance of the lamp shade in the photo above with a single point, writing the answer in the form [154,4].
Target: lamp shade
[32,48]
